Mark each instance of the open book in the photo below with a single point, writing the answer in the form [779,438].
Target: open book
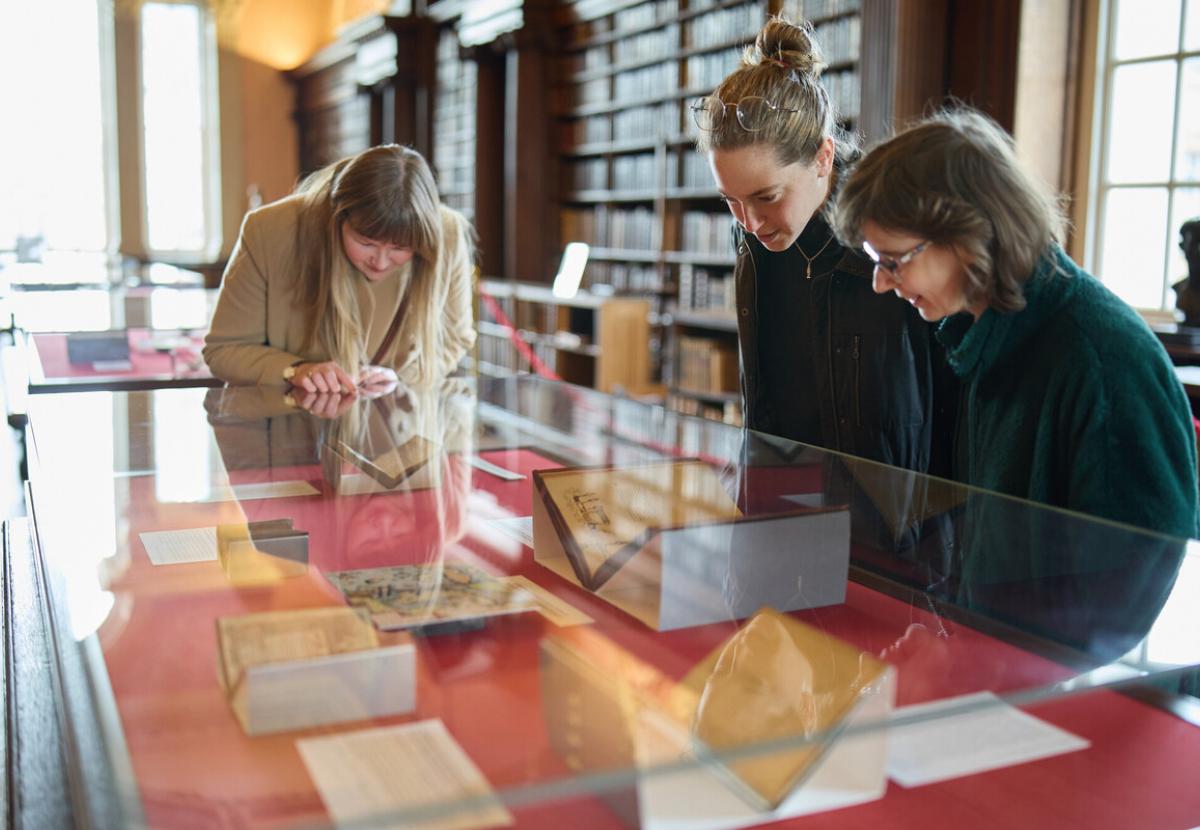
[409,596]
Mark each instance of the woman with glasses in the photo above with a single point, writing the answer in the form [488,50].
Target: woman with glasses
[359,280]
[824,361]
[1068,398]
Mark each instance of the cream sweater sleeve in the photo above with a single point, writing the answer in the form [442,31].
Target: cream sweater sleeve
[236,348]
[459,312]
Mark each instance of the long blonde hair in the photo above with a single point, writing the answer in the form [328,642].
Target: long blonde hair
[783,66]
[388,194]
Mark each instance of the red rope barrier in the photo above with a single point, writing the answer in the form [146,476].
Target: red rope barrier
[523,348]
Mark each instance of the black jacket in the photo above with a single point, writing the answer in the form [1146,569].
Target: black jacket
[878,378]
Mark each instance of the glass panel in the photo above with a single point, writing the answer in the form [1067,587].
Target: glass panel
[1191,31]
[1140,121]
[1131,260]
[1187,147]
[716,599]
[1185,205]
[54,96]
[173,92]
[1146,27]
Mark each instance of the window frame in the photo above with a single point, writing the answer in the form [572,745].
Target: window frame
[1100,186]
[210,141]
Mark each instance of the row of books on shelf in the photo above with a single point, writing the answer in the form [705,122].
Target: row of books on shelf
[723,25]
[694,171]
[710,68]
[840,39]
[624,20]
[624,278]
[707,364]
[729,412]
[634,172]
[845,92]
[703,232]
[632,49]
[818,9]
[706,289]
[648,122]
[607,227]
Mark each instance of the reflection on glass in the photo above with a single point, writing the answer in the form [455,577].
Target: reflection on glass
[1135,221]
[1146,27]
[182,451]
[1142,114]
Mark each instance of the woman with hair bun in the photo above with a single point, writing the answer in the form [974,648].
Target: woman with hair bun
[359,280]
[823,360]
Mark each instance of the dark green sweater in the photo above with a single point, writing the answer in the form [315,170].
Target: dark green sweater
[1073,402]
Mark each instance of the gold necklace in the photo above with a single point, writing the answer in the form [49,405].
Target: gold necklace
[808,260]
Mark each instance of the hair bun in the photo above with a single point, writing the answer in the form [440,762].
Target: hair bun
[790,45]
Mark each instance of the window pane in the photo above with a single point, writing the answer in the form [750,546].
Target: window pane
[173,116]
[1187,148]
[1184,206]
[1140,122]
[52,158]
[1132,256]
[1146,27]
[1191,30]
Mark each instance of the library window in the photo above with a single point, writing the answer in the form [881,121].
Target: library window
[58,107]
[1148,177]
[179,131]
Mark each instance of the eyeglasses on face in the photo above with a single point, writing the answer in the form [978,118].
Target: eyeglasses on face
[893,266]
[752,112]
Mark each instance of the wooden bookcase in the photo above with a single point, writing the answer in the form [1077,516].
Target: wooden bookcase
[632,185]
[454,124]
[369,87]
[589,340]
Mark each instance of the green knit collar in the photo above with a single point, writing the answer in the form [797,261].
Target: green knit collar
[975,346]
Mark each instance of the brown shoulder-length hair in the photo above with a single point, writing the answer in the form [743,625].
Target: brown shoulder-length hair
[385,193]
[954,179]
[783,66]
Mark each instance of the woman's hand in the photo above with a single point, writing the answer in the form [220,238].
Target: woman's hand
[375,381]
[326,377]
[325,404]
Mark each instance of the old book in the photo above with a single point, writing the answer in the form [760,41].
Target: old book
[602,516]
[431,594]
[284,670]
[782,683]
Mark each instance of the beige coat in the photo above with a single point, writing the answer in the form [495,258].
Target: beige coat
[257,329]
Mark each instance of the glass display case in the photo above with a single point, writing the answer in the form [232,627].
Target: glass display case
[517,602]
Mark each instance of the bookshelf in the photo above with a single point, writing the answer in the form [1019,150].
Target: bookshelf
[632,185]
[588,339]
[454,124]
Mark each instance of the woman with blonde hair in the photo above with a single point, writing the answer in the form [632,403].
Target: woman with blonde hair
[1068,397]
[823,361]
[361,278]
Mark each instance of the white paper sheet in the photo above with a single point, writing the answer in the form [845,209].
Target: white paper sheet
[177,547]
[519,528]
[994,736]
[365,776]
[554,608]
